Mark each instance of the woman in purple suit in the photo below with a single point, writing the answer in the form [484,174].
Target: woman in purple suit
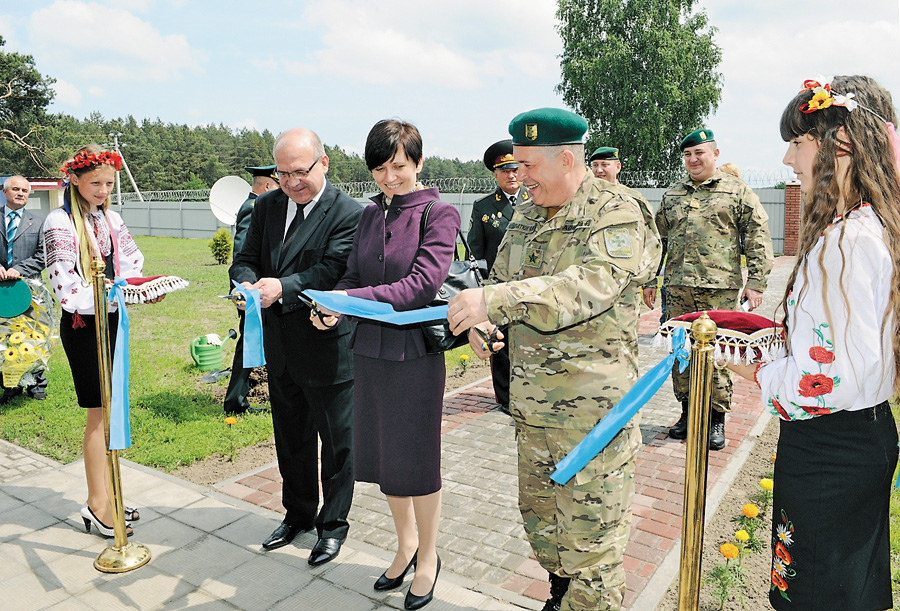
[399,387]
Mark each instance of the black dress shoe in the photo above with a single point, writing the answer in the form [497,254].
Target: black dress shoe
[283,535]
[325,550]
[679,429]
[414,602]
[385,583]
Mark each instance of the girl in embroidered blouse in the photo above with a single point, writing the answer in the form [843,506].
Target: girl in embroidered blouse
[837,447]
[82,229]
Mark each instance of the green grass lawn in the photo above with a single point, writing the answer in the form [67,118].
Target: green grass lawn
[175,419]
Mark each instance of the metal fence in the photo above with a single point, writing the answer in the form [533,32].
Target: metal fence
[186,214]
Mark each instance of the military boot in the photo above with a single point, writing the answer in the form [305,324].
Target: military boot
[679,429]
[716,430]
[558,588]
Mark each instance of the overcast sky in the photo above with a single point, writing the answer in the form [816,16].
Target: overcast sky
[459,70]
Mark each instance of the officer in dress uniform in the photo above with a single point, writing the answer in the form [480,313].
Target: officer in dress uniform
[605,164]
[236,402]
[490,216]
[567,283]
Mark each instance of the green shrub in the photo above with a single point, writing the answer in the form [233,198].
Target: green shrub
[221,245]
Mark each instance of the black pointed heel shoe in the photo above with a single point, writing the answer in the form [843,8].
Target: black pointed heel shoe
[385,583]
[414,602]
[89,518]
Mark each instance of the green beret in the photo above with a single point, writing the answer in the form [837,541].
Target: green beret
[498,156]
[262,170]
[547,127]
[605,152]
[698,136]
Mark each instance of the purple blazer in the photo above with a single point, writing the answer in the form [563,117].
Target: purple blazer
[383,266]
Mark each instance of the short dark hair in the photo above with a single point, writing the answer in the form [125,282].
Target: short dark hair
[387,137]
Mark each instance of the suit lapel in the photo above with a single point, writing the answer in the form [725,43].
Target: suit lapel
[307,228]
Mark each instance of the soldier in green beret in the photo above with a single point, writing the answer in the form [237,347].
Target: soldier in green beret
[236,402]
[567,283]
[605,164]
[707,221]
[490,216]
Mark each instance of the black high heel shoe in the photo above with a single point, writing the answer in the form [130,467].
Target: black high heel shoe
[385,583]
[89,518]
[414,602]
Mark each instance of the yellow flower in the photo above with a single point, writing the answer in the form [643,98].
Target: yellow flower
[742,535]
[26,349]
[17,338]
[766,484]
[773,457]
[11,353]
[230,420]
[464,357]
[729,550]
[36,337]
[820,100]
[750,510]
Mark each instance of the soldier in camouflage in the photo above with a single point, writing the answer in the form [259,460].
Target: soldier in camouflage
[567,282]
[706,222]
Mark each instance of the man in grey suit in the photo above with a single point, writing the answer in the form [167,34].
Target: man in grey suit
[22,248]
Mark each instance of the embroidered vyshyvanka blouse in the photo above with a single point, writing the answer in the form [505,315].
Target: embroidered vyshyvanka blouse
[843,361]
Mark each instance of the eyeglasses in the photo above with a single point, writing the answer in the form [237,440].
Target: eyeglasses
[299,174]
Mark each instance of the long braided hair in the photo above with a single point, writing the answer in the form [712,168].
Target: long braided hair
[872,177]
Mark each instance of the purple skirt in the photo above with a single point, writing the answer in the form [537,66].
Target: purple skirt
[397,424]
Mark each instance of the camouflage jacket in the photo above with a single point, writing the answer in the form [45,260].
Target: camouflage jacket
[569,289]
[705,228]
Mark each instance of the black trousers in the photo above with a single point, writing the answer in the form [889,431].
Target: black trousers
[500,375]
[301,416]
[239,384]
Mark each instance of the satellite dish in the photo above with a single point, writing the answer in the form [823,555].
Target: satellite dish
[226,196]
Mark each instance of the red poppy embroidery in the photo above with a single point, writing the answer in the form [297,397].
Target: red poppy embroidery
[778,581]
[781,410]
[781,552]
[815,384]
[815,410]
[821,355]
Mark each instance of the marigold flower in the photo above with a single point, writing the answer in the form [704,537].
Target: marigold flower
[230,420]
[464,357]
[766,483]
[750,510]
[742,535]
[729,550]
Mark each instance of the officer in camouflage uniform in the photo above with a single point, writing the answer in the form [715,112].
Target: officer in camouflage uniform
[605,164]
[706,222]
[567,282]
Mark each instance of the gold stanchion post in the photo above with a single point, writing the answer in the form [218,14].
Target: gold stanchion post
[122,556]
[695,470]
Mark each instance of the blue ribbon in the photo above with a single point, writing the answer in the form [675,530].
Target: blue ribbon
[618,417]
[254,353]
[119,420]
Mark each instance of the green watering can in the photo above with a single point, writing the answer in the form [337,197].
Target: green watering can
[208,356]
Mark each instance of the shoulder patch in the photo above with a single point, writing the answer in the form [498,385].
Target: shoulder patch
[618,242]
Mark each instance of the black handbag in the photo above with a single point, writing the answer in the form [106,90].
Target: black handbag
[464,274]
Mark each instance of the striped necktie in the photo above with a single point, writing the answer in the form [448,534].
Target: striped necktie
[12,223]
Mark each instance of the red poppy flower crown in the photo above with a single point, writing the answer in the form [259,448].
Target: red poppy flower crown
[741,336]
[88,160]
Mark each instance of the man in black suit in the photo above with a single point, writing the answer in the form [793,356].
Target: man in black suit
[490,216]
[264,180]
[299,238]
[22,248]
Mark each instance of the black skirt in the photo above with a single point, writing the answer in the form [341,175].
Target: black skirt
[80,344]
[830,514]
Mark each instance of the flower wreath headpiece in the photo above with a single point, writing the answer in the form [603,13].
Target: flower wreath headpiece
[87,160]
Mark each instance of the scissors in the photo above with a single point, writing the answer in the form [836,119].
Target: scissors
[314,310]
[237,298]
[488,339]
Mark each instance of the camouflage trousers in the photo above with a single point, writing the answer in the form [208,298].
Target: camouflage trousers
[684,300]
[579,530]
